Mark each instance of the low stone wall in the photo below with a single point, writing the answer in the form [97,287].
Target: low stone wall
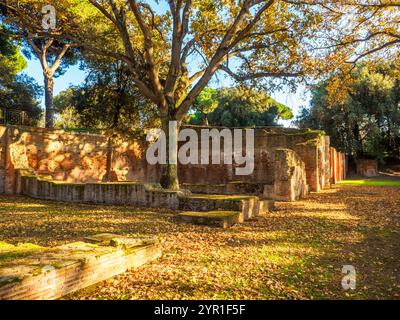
[223,219]
[248,206]
[137,195]
[106,193]
[290,176]
[52,273]
[230,188]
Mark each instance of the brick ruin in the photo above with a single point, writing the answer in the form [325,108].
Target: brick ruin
[50,273]
[288,162]
[367,167]
[62,166]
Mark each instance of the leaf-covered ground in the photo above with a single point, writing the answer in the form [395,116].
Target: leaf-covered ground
[297,252]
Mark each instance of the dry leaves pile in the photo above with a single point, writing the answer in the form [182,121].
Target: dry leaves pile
[297,252]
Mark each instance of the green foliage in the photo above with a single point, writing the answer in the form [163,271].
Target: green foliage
[106,101]
[17,91]
[11,59]
[9,252]
[238,107]
[366,123]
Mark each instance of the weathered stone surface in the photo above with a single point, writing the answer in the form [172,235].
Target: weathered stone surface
[248,206]
[230,188]
[114,240]
[338,166]
[133,194]
[223,219]
[266,206]
[74,157]
[269,191]
[367,167]
[290,176]
[51,273]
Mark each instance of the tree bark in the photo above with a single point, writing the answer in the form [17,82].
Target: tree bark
[107,177]
[48,100]
[205,120]
[169,171]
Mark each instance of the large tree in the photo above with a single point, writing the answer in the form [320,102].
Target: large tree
[18,93]
[107,100]
[174,48]
[238,107]
[370,27]
[24,20]
[365,122]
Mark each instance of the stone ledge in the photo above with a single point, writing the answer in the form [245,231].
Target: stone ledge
[223,219]
[230,188]
[135,194]
[248,206]
[50,273]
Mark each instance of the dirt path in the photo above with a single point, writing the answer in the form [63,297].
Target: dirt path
[296,252]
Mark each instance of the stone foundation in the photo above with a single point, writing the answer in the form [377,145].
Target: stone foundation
[81,158]
[223,219]
[99,193]
[51,273]
[135,194]
[231,188]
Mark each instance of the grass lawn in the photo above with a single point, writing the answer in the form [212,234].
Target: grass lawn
[372,182]
[297,252]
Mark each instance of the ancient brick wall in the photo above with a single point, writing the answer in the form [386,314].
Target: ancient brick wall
[311,146]
[81,157]
[70,157]
[338,165]
[290,176]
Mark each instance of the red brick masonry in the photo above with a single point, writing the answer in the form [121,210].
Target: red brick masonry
[55,272]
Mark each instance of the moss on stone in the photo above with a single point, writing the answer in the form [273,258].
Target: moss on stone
[8,280]
[9,252]
[311,142]
[220,197]
[210,214]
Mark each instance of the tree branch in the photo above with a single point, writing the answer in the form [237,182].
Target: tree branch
[250,76]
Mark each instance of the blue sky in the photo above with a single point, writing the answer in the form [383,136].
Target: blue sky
[74,76]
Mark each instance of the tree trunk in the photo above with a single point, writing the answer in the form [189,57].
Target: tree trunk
[205,120]
[360,147]
[107,176]
[169,171]
[48,100]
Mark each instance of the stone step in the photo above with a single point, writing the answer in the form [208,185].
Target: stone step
[50,273]
[248,206]
[222,219]
[203,202]
[265,206]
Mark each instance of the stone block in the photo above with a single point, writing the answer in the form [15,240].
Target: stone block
[223,219]
[50,273]
[290,176]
